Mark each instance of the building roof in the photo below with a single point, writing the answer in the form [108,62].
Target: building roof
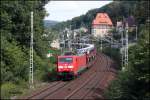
[102,18]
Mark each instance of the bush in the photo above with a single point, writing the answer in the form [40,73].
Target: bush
[9,89]
[39,68]
[133,82]
[51,72]
[121,87]
[113,53]
[14,62]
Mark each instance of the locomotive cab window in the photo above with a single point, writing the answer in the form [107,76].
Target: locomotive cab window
[66,60]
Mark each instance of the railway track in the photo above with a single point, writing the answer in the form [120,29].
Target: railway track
[86,86]
[83,87]
[97,90]
[100,78]
[74,85]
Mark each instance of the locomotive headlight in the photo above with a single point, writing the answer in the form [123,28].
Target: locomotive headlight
[60,66]
[70,66]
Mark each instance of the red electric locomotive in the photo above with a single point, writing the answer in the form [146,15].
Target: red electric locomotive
[72,65]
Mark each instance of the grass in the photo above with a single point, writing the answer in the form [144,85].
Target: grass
[10,89]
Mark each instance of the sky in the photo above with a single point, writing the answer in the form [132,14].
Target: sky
[66,10]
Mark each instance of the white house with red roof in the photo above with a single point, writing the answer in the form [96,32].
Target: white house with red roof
[101,25]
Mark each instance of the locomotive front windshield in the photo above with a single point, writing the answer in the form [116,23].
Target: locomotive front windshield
[65,60]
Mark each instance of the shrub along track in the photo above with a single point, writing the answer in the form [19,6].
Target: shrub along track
[89,85]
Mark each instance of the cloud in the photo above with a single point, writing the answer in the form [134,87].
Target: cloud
[65,10]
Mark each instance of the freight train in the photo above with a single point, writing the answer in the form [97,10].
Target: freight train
[71,65]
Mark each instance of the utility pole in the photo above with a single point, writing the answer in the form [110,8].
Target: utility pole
[101,42]
[69,39]
[78,41]
[125,48]
[64,42]
[60,40]
[111,44]
[126,51]
[122,54]
[31,54]
[136,33]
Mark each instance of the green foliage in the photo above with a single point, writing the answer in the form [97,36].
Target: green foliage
[51,72]
[139,59]
[53,59]
[15,41]
[13,59]
[113,53]
[117,87]
[133,83]
[54,53]
[39,68]
[9,89]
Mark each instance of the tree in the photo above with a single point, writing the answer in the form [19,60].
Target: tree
[134,82]
[15,38]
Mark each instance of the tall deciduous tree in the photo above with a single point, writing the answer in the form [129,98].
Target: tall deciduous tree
[15,37]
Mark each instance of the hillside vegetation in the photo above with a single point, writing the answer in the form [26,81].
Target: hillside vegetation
[49,23]
[116,11]
[15,43]
[133,83]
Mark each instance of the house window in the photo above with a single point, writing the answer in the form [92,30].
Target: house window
[100,26]
[94,31]
[107,27]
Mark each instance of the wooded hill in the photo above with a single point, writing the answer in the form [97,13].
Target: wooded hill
[49,23]
[116,10]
